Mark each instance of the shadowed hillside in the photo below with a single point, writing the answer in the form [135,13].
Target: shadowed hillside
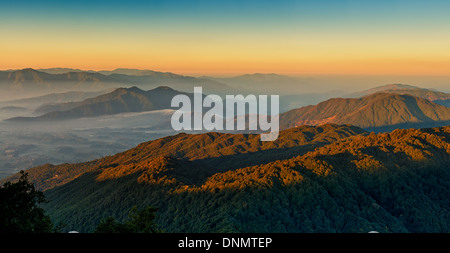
[218,151]
[389,182]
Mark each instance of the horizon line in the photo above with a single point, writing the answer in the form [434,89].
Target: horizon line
[225,75]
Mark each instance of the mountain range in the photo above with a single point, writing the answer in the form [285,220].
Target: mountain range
[270,83]
[438,97]
[377,112]
[29,82]
[221,150]
[35,102]
[399,106]
[327,178]
[325,173]
[118,101]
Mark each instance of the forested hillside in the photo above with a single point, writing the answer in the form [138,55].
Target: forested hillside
[390,182]
[217,151]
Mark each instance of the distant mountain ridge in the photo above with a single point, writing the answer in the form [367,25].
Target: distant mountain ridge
[270,83]
[438,97]
[379,111]
[376,111]
[119,71]
[53,98]
[118,101]
[29,82]
[28,79]
[385,88]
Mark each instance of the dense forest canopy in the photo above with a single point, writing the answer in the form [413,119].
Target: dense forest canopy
[314,179]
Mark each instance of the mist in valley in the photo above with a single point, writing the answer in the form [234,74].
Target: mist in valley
[29,143]
[24,145]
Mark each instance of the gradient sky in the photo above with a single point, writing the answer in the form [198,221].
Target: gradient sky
[229,37]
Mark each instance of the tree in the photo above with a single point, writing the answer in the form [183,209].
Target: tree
[140,221]
[19,208]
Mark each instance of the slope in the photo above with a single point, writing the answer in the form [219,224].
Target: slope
[389,182]
[377,112]
[218,151]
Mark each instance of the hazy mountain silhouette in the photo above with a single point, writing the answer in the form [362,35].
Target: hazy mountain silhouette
[438,97]
[270,84]
[40,103]
[62,70]
[30,82]
[118,101]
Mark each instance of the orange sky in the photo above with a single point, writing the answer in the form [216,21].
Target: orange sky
[299,37]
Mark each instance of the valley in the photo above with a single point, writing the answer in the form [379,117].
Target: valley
[354,162]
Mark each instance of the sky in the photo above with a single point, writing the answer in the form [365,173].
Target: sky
[208,37]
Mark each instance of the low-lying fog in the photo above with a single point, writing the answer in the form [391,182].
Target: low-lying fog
[27,144]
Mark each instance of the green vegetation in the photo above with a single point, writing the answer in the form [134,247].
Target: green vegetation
[312,179]
[19,208]
[217,152]
[395,182]
[140,221]
[20,213]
